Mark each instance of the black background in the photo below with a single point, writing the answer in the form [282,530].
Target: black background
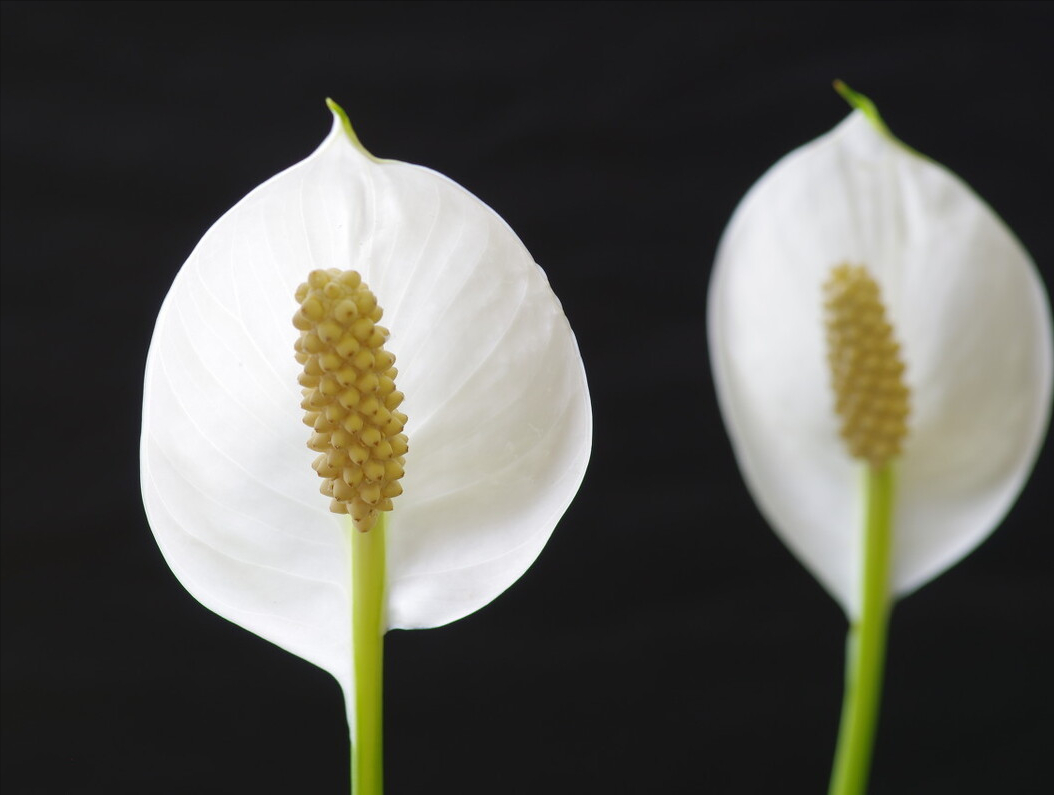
[665,641]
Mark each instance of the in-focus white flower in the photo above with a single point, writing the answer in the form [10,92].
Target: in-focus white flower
[499,420]
[973,322]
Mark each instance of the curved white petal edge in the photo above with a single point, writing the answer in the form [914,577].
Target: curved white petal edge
[496,395]
[968,308]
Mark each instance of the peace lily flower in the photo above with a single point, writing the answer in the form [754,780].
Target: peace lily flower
[881,346]
[488,412]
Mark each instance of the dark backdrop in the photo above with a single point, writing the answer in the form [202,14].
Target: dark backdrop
[665,641]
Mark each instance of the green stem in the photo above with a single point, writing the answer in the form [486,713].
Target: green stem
[367,623]
[866,645]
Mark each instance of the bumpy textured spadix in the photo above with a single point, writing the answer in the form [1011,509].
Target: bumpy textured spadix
[495,394]
[350,399]
[866,371]
[968,310]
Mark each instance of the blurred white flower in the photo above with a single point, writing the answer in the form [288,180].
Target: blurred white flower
[971,315]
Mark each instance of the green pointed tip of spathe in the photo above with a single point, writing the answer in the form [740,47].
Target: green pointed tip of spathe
[345,122]
[864,105]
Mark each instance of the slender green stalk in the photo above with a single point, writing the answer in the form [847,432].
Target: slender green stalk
[367,622]
[866,645]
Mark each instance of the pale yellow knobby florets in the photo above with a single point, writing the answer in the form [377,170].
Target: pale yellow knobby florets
[350,397]
[867,371]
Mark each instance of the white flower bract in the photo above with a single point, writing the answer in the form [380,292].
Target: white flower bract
[966,303]
[496,395]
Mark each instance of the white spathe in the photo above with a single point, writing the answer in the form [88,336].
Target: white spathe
[499,414]
[968,308]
